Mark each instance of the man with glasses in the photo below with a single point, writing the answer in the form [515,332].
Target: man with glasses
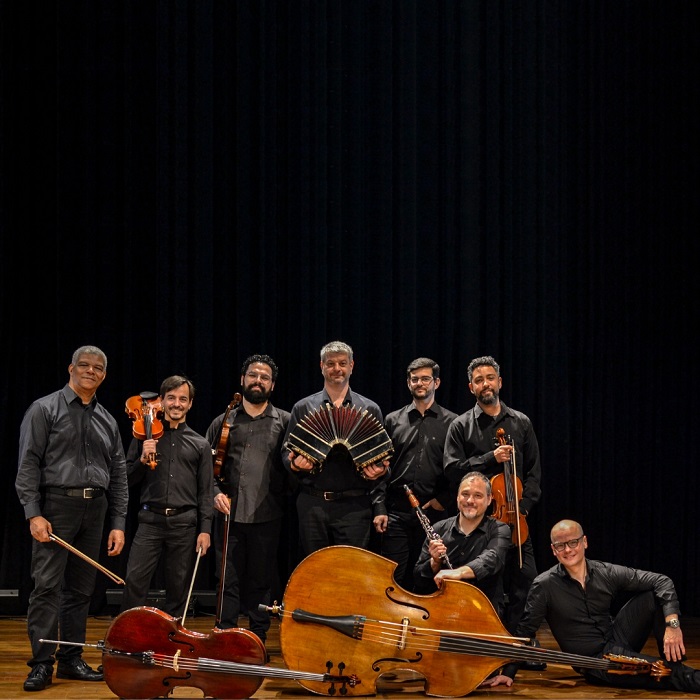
[576,597]
[71,458]
[251,491]
[417,432]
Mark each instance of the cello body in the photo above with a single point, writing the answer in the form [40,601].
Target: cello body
[344,581]
[178,655]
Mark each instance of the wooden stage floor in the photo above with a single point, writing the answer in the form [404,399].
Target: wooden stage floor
[556,682]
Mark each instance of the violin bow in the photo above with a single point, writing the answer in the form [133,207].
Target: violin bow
[85,557]
[189,594]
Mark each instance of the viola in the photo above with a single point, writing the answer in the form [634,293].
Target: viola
[146,410]
[343,607]
[147,653]
[219,453]
[507,490]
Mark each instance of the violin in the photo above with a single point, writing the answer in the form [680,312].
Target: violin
[148,653]
[222,443]
[507,490]
[146,410]
[342,607]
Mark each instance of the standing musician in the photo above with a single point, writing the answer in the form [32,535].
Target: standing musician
[175,502]
[472,444]
[417,432]
[470,546]
[70,456]
[333,504]
[251,489]
[576,597]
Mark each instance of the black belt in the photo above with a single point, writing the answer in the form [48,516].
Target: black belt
[165,511]
[333,495]
[88,492]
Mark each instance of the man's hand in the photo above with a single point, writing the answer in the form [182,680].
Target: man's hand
[40,528]
[376,469]
[299,463]
[497,680]
[380,523]
[115,542]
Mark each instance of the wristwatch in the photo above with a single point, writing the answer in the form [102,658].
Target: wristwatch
[675,623]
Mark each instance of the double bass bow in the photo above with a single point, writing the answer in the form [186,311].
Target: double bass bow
[219,454]
[507,490]
[342,606]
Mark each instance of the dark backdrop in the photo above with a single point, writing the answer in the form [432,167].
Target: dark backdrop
[186,183]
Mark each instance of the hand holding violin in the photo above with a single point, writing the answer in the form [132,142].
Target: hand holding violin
[503,453]
[148,450]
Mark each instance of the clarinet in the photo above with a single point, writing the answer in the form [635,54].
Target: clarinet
[424,521]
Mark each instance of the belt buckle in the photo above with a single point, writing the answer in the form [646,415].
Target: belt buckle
[328,496]
[87,492]
[170,511]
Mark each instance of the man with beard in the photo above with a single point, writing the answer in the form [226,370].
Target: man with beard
[417,432]
[473,444]
[469,546]
[251,491]
[175,502]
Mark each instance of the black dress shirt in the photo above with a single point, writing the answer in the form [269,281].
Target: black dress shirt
[580,619]
[471,441]
[253,475]
[338,471]
[483,550]
[183,477]
[418,441]
[65,444]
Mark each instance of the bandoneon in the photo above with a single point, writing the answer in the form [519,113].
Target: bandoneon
[356,429]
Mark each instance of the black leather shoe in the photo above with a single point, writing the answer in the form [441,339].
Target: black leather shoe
[39,677]
[78,670]
[533,666]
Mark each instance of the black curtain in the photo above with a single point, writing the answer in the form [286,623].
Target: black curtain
[185,183]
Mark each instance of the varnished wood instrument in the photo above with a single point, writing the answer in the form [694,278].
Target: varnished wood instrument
[343,608]
[507,490]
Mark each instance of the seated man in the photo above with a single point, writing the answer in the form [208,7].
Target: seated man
[575,598]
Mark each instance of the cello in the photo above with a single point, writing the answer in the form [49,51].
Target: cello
[147,653]
[507,490]
[342,607]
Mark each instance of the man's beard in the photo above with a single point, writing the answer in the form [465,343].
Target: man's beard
[488,400]
[256,395]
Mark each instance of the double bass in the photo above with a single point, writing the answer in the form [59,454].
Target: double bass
[342,607]
[507,490]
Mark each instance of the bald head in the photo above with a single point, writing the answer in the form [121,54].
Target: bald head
[565,530]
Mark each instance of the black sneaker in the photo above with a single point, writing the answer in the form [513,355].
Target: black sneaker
[39,677]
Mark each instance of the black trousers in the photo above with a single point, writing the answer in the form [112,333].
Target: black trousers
[63,582]
[251,570]
[637,619]
[517,581]
[325,523]
[172,537]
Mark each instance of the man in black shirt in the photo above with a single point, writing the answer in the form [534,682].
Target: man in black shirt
[575,597]
[251,489]
[417,432]
[472,443]
[175,502]
[333,504]
[470,546]
[70,457]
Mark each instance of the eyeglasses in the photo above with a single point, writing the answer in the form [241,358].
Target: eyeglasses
[421,380]
[256,375]
[571,544]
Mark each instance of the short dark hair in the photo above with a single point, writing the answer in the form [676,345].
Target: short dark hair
[174,382]
[480,362]
[265,359]
[421,362]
